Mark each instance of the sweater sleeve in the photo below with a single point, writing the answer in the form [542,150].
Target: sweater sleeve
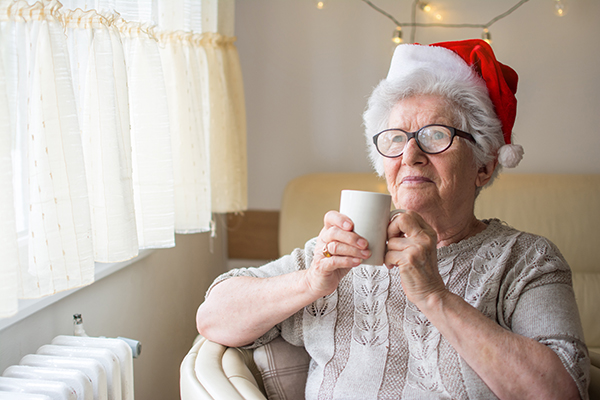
[540,304]
[291,328]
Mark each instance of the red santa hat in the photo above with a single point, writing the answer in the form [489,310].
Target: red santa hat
[456,61]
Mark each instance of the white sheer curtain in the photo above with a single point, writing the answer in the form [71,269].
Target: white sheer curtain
[122,122]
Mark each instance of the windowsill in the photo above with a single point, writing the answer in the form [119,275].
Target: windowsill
[31,306]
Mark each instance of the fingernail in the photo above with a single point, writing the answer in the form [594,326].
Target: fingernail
[362,243]
[366,253]
[347,225]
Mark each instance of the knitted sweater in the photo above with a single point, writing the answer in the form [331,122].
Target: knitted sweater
[367,341]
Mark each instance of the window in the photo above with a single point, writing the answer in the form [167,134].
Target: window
[122,123]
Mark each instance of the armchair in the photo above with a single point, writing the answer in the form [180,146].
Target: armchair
[564,208]
[277,370]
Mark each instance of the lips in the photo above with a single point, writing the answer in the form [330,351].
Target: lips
[415,179]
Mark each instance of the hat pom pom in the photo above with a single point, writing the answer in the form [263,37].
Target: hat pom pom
[510,155]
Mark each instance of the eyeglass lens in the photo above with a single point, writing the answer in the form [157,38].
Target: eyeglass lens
[431,139]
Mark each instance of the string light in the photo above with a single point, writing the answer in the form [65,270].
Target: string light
[486,35]
[425,7]
[397,37]
[429,9]
[560,9]
[320,5]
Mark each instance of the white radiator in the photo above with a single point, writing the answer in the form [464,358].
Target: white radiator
[74,368]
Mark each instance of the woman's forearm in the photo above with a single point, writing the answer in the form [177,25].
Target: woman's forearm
[239,310]
[513,366]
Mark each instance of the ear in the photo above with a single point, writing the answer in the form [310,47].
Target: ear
[485,173]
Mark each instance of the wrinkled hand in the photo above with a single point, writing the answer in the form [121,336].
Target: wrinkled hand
[347,250]
[412,248]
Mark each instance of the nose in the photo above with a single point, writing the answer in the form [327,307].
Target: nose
[412,154]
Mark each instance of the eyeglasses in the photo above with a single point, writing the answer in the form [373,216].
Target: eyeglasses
[431,139]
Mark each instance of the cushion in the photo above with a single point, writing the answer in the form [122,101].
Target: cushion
[284,369]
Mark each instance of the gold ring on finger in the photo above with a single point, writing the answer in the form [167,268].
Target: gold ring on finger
[326,252]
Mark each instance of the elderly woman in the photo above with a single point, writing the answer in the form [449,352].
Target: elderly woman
[462,308]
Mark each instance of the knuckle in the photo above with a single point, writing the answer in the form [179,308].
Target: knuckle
[415,254]
[322,233]
[389,260]
[330,218]
[333,247]
[327,233]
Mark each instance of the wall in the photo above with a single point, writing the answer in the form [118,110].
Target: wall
[308,72]
[153,300]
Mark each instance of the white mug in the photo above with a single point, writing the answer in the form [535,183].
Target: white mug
[370,212]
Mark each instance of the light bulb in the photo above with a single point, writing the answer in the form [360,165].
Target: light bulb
[431,10]
[425,7]
[486,36]
[320,5]
[561,7]
[397,37]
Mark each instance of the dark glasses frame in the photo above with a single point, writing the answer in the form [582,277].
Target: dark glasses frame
[415,135]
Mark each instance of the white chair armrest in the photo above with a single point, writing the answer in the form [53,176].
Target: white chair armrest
[210,374]
[240,376]
[189,387]
[211,371]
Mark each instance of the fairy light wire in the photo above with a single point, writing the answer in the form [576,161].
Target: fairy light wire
[415,24]
[381,11]
[505,14]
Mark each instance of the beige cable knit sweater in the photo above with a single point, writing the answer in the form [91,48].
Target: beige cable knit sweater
[367,341]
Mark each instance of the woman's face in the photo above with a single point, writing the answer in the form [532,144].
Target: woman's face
[441,184]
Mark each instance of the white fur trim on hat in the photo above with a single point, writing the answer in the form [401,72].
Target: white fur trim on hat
[410,57]
[510,155]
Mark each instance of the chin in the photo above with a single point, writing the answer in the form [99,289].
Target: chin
[423,207]
[411,199]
